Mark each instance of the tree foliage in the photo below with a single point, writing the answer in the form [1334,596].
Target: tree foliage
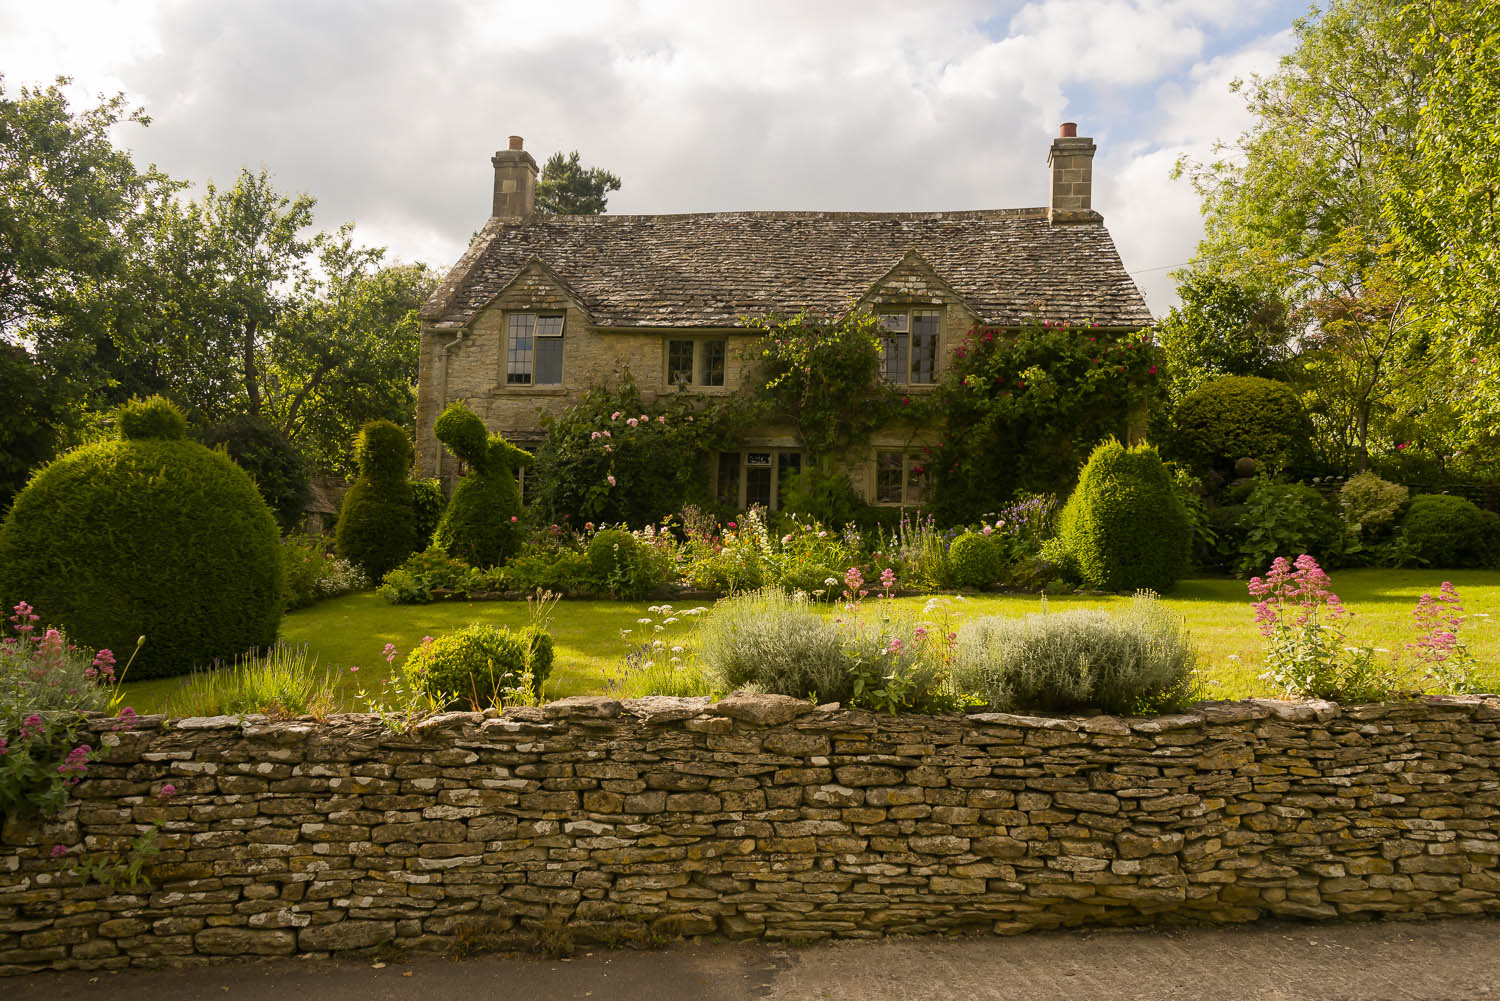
[567,187]
[1362,196]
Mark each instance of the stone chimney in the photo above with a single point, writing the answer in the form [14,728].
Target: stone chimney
[1071,160]
[515,182]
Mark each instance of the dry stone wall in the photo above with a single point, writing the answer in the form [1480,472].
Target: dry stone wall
[758,816]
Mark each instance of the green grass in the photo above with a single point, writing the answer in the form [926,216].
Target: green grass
[351,631]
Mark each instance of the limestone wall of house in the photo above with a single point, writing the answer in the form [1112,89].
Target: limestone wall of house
[756,817]
[470,365]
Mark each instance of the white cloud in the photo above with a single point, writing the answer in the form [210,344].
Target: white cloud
[388,111]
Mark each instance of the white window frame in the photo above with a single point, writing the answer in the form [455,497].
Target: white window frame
[520,367]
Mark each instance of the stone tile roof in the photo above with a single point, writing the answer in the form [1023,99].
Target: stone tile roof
[710,269]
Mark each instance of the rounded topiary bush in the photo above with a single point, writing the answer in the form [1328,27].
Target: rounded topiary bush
[1242,416]
[149,535]
[974,561]
[482,665]
[1446,531]
[377,526]
[481,523]
[1124,524]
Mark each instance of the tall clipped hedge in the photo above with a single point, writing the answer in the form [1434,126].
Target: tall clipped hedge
[1124,524]
[377,525]
[1447,531]
[481,522]
[1238,416]
[149,535]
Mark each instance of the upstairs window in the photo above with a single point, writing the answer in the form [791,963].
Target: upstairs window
[696,362]
[534,349]
[908,346]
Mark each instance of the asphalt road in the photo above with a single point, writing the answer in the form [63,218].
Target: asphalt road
[1271,961]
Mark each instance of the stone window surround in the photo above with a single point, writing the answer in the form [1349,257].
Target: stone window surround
[780,457]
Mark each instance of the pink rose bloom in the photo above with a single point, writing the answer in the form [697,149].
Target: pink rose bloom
[611,480]
[514,519]
[615,416]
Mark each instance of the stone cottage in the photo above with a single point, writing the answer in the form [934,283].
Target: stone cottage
[541,307]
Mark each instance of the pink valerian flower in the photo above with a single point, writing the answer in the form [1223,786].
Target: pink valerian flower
[32,726]
[103,666]
[1305,589]
[426,640]
[166,792]
[4,747]
[58,851]
[887,580]
[853,579]
[390,653]
[75,764]
[894,647]
[919,633]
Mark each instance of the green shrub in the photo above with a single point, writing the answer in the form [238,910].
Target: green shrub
[272,462]
[769,641]
[429,502]
[1239,416]
[1370,502]
[414,580]
[807,556]
[619,566]
[564,571]
[482,522]
[1124,523]
[601,462]
[1141,661]
[377,526]
[481,666]
[1286,518]
[310,574]
[159,537]
[1446,531]
[973,561]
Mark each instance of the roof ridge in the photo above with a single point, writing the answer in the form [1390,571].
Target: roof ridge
[1021,213]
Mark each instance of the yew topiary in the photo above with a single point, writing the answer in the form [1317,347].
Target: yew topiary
[377,526]
[149,535]
[974,561]
[481,524]
[1240,416]
[1124,524]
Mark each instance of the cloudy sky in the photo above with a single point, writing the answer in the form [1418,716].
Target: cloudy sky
[387,110]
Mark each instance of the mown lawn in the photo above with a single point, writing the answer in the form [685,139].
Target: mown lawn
[352,631]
